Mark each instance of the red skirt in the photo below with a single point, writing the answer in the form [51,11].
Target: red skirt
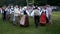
[43,19]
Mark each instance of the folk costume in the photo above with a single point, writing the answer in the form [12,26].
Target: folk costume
[24,20]
[36,14]
[49,13]
[43,16]
[7,12]
[3,13]
[16,15]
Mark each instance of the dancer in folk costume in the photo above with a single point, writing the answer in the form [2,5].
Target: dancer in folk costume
[24,20]
[49,13]
[36,14]
[16,15]
[29,10]
[44,16]
[12,13]
[3,12]
[0,10]
[11,9]
[21,10]
[7,12]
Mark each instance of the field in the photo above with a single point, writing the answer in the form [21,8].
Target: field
[6,27]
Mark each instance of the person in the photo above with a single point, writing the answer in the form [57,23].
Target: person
[36,14]
[24,20]
[49,12]
[0,10]
[3,12]
[7,12]
[44,16]
[29,10]
[11,9]
[12,12]
[16,14]
[21,10]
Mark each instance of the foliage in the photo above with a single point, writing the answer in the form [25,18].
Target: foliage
[24,3]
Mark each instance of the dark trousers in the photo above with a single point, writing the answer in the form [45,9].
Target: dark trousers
[4,16]
[36,19]
[47,20]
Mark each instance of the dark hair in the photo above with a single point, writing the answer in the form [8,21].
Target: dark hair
[36,7]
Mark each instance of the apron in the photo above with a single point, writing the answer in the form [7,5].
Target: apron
[43,18]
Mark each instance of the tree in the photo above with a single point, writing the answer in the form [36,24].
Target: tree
[35,2]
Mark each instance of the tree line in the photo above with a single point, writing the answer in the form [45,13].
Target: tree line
[24,2]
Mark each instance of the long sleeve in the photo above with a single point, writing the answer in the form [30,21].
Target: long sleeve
[40,12]
[46,13]
[27,13]
[16,12]
[32,14]
[1,11]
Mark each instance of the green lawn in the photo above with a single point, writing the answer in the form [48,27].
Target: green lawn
[8,28]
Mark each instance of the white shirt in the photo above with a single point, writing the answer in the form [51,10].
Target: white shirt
[43,10]
[33,12]
[11,10]
[21,11]
[16,11]
[49,10]
[1,10]
[8,10]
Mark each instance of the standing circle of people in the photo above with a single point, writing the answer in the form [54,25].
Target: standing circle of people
[20,16]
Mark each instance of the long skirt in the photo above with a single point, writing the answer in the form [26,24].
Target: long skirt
[24,21]
[43,19]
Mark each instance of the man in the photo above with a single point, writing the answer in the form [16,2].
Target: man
[7,12]
[49,12]
[16,14]
[36,14]
[3,12]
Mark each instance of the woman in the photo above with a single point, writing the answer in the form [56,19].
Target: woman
[44,14]
[24,20]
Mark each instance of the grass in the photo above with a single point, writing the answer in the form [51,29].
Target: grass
[7,27]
